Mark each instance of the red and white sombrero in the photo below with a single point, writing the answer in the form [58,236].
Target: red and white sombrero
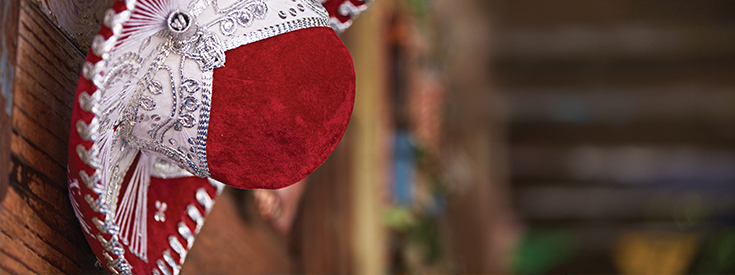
[178,97]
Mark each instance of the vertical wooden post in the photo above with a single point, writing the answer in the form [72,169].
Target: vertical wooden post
[369,129]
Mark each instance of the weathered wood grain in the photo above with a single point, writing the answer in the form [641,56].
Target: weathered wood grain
[321,235]
[50,202]
[36,134]
[41,240]
[39,109]
[40,233]
[23,256]
[8,46]
[77,19]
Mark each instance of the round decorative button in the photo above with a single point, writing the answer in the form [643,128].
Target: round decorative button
[179,21]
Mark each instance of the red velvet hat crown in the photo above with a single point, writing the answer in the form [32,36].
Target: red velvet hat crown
[178,98]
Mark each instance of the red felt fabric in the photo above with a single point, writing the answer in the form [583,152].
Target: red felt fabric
[279,108]
[178,194]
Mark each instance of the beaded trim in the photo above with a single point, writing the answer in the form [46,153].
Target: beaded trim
[166,265]
[114,252]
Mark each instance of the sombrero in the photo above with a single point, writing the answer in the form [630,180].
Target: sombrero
[180,97]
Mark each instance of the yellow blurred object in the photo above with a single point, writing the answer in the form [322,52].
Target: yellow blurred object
[654,252]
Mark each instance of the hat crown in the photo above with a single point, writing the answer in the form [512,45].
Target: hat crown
[162,68]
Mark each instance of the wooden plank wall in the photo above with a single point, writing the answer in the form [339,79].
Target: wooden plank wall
[78,20]
[8,45]
[321,238]
[39,231]
[618,110]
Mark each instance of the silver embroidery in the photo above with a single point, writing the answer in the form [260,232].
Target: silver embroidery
[195,216]
[162,266]
[187,38]
[196,7]
[97,205]
[204,199]
[174,243]
[112,245]
[242,13]
[166,170]
[160,215]
[106,227]
[218,185]
[147,103]
[155,87]
[92,182]
[175,268]
[143,102]
[185,232]
[87,102]
[202,47]
[88,131]
[89,157]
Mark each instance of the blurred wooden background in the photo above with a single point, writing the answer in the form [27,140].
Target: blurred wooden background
[621,118]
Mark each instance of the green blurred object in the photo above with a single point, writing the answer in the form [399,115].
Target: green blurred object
[420,8]
[399,218]
[541,250]
[718,256]
[417,240]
